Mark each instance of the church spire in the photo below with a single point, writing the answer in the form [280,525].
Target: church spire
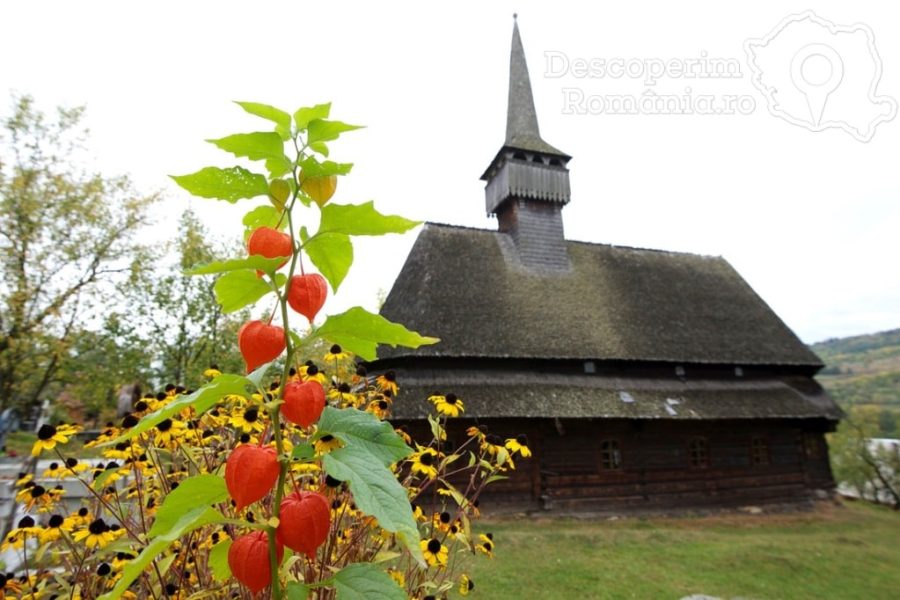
[521,118]
[527,183]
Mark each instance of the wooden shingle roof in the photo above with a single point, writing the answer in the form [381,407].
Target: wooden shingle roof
[466,287]
[493,394]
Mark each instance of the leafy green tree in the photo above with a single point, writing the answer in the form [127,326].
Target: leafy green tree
[873,471]
[68,240]
[185,329]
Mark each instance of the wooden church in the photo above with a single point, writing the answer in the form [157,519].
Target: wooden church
[642,378]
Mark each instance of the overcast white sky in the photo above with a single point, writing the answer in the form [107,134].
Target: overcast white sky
[810,219]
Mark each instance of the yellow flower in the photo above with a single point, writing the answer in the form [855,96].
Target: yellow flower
[17,537]
[475,433]
[519,444]
[73,466]
[403,433]
[247,419]
[388,382]
[448,405]
[310,372]
[49,436]
[492,444]
[77,519]
[397,576]
[53,471]
[343,395]
[336,353]
[435,552]
[442,521]
[466,585]
[486,546]
[212,372]
[168,431]
[425,462]
[380,408]
[96,535]
[326,444]
[55,526]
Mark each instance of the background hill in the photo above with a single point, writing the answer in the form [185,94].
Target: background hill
[862,374]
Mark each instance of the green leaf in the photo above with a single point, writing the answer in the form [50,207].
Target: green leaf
[361,219]
[194,492]
[321,130]
[201,401]
[363,429]
[257,262]
[365,581]
[100,481]
[237,289]
[304,115]
[303,452]
[257,376]
[189,521]
[360,332]
[276,115]
[278,166]
[332,254]
[376,492]
[313,168]
[320,147]
[259,145]
[262,216]
[218,561]
[297,591]
[230,184]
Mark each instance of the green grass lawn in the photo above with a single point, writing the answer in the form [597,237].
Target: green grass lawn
[849,552]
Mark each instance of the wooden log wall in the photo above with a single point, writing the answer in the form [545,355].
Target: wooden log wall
[656,471]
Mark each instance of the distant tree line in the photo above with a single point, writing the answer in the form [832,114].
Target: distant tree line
[88,301]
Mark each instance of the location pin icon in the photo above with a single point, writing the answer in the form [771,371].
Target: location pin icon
[815,89]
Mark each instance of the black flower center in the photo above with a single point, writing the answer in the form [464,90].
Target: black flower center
[103,570]
[71,462]
[336,349]
[344,388]
[451,398]
[251,414]
[26,522]
[55,521]
[427,459]
[522,439]
[488,546]
[327,438]
[97,527]
[46,432]
[445,517]
[434,546]
[37,491]
[165,425]
[390,376]
[129,421]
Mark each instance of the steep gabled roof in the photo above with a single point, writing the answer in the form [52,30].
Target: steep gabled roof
[466,287]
